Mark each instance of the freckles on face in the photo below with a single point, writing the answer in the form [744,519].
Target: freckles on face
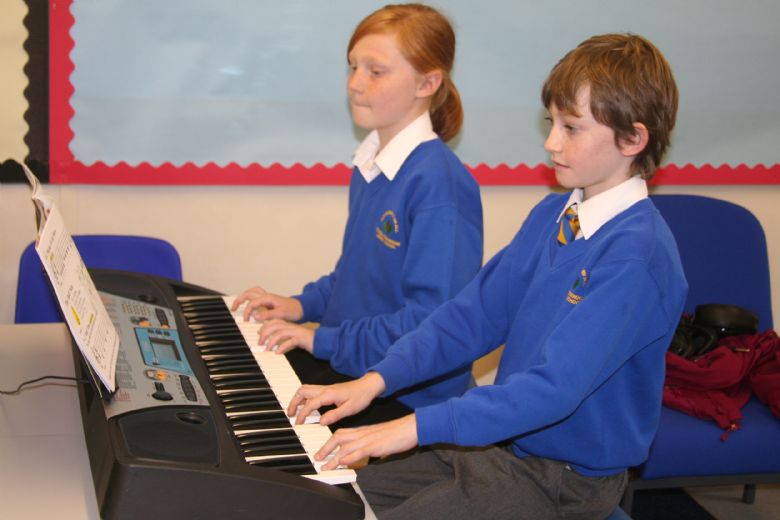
[583,151]
[381,85]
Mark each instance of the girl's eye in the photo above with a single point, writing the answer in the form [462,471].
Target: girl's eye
[570,128]
[376,72]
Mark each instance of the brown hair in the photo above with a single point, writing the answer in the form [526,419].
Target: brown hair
[427,41]
[630,82]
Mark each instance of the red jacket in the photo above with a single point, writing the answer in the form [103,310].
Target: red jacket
[718,384]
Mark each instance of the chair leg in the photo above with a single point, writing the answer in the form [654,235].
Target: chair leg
[749,493]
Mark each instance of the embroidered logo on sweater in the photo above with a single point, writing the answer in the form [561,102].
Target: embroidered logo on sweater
[388,228]
[575,295]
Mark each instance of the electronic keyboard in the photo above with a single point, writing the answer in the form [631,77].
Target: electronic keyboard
[197,427]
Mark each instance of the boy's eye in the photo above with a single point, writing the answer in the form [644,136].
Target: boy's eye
[570,128]
[376,72]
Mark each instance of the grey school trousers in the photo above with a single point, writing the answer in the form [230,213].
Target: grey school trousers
[488,483]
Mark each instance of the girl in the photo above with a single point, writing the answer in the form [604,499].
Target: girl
[413,238]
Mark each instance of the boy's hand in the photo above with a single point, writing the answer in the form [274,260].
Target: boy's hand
[283,336]
[377,440]
[265,306]
[350,398]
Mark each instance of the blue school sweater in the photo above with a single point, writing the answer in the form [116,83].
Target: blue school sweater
[586,328]
[409,245]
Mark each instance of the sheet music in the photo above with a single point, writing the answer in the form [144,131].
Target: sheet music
[84,312]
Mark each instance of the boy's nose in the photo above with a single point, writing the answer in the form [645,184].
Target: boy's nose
[551,143]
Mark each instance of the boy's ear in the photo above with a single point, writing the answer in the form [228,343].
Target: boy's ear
[636,142]
[430,83]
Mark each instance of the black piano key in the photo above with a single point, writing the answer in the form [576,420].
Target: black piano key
[235,374]
[209,357]
[258,422]
[267,436]
[221,365]
[259,398]
[250,367]
[208,311]
[296,465]
[236,342]
[224,349]
[215,330]
[274,451]
[261,420]
[247,397]
[244,358]
[251,381]
[243,410]
[207,319]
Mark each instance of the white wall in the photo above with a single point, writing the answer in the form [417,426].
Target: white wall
[232,237]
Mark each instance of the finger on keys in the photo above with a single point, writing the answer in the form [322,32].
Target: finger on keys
[251,308]
[334,415]
[310,405]
[269,327]
[300,396]
[245,296]
[286,346]
[347,448]
[330,446]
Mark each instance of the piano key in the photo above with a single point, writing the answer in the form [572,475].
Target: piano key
[312,437]
[255,386]
[297,464]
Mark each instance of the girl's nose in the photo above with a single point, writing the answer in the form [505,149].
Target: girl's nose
[354,82]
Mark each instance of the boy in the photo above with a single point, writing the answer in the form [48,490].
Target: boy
[586,308]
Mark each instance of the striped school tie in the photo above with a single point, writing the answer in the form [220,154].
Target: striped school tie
[570,225]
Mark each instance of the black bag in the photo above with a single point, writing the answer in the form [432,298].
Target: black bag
[697,335]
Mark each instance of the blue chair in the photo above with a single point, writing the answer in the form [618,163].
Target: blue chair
[35,302]
[724,255]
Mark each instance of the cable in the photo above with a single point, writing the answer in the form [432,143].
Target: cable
[19,388]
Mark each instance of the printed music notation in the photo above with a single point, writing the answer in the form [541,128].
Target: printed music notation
[84,312]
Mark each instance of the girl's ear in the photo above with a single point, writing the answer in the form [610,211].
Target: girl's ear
[429,83]
[636,142]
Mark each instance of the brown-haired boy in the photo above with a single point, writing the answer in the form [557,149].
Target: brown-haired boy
[586,308]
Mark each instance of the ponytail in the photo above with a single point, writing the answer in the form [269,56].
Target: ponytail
[447,110]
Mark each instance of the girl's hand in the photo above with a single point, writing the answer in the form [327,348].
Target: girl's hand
[351,445]
[265,306]
[283,336]
[350,398]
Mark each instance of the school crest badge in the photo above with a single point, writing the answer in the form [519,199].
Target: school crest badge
[387,231]
[575,294]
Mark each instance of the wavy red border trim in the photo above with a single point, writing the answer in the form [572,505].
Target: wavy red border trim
[64,169]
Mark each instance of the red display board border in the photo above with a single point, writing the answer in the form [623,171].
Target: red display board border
[65,169]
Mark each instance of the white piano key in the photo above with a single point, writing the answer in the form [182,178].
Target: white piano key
[275,367]
[312,437]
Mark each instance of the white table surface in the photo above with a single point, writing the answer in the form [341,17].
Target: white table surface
[44,467]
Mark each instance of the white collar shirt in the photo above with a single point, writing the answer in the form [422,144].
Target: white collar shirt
[371,162]
[600,209]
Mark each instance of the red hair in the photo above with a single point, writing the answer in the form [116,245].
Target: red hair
[427,41]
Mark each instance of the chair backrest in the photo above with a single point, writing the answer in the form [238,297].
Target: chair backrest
[35,301]
[723,251]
